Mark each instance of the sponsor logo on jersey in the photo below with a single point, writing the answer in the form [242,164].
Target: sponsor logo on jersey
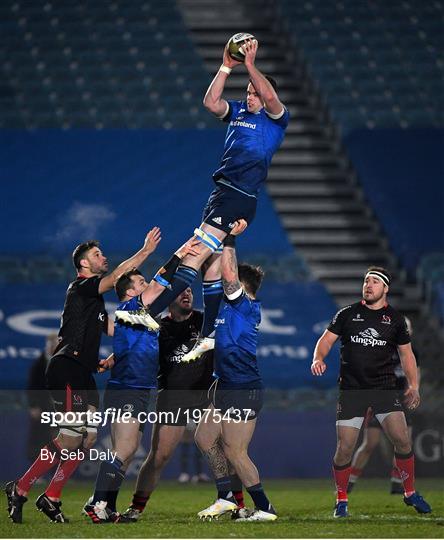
[241,123]
[386,319]
[77,398]
[219,321]
[101,317]
[368,337]
[217,220]
[358,318]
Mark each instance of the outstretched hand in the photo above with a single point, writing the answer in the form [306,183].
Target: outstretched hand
[152,239]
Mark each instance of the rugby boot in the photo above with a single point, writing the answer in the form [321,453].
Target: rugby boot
[15,502]
[138,317]
[100,513]
[418,503]
[51,508]
[218,508]
[259,515]
[132,514]
[341,509]
[202,345]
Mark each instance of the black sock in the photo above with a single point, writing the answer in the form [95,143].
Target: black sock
[213,293]
[223,486]
[109,479]
[236,488]
[183,278]
[259,498]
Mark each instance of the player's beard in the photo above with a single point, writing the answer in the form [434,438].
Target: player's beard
[373,299]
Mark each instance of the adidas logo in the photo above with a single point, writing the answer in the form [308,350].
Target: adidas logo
[217,220]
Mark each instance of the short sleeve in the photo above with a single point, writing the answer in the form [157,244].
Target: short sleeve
[89,287]
[282,121]
[233,109]
[337,323]
[402,334]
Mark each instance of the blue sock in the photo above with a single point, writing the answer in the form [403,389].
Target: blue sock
[223,486]
[109,479]
[213,293]
[183,278]
[259,498]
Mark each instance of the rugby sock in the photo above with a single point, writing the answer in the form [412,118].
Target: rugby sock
[236,488]
[259,498]
[109,478]
[341,474]
[139,502]
[355,473]
[44,462]
[406,468]
[62,475]
[213,293]
[223,486]
[183,278]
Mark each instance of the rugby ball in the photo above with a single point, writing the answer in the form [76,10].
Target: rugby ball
[235,44]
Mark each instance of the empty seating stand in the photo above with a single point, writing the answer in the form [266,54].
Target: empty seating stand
[379,64]
[96,64]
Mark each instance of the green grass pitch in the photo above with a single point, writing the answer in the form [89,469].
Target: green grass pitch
[304,508]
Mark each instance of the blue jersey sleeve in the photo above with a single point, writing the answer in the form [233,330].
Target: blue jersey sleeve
[242,303]
[233,109]
[282,121]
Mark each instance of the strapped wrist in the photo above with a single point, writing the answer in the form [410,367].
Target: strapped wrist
[230,240]
[225,69]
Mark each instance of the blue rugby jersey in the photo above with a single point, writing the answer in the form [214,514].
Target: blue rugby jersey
[136,353]
[237,327]
[250,142]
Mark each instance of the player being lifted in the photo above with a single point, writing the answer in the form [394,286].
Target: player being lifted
[238,391]
[370,332]
[256,128]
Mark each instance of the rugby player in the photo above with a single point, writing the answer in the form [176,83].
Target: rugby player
[371,330]
[134,365]
[238,391]
[70,373]
[256,128]
[183,394]
[373,431]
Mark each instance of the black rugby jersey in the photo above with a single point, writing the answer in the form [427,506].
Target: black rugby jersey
[369,339]
[175,340]
[84,319]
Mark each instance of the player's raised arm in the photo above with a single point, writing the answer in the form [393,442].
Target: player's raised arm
[152,240]
[165,274]
[323,347]
[262,86]
[229,269]
[213,98]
